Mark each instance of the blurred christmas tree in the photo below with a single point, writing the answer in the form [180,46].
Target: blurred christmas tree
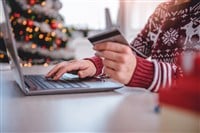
[3,53]
[39,31]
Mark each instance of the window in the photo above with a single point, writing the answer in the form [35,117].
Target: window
[88,13]
[131,15]
[137,14]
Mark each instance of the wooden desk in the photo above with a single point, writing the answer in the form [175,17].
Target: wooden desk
[124,110]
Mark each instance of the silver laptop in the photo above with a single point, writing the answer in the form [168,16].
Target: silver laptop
[38,84]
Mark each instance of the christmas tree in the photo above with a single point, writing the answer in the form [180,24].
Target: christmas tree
[3,53]
[39,30]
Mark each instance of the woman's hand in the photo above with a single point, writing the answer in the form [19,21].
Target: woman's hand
[119,60]
[85,68]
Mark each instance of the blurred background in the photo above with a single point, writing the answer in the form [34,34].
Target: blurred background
[50,31]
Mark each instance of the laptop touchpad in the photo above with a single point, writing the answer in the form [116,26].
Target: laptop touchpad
[69,76]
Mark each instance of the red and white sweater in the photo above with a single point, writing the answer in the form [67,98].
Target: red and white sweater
[170,30]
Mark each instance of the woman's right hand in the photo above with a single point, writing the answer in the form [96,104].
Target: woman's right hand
[85,69]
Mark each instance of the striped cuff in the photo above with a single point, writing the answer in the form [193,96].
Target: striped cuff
[98,64]
[143,74]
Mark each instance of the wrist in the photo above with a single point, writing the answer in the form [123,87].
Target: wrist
[98,65]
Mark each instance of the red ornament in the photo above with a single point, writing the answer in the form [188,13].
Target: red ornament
[44,47]
[58,41]
[16,15]
[32,2]
[29,23]
[54,25]
[27,38]
[21,32]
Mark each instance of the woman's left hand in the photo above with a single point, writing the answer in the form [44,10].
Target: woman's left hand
[119,60]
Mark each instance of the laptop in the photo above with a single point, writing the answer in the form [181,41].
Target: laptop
[38,84]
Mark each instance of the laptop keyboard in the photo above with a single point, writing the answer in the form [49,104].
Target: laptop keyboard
[39,81]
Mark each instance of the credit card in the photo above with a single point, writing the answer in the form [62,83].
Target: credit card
[113,35]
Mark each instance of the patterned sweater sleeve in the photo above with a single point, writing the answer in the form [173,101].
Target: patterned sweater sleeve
[153,74]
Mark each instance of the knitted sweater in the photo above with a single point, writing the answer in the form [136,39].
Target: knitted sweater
[170,30]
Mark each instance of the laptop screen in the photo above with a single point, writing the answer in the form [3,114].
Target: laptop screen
[10,43]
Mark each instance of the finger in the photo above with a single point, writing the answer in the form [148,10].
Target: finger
[71,67]
[117,57]
[112,64]
[52,72]
[59,73]
[112,46]
[110,72]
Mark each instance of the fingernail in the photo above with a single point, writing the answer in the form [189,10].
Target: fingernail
[80,74]
[55,78]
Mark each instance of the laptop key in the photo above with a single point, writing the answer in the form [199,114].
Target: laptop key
[46,83]
[64,84]
[56,85]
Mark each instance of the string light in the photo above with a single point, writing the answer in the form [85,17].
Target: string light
[1,34]
[2,56]
[48,34]
[12,18]
[33,46]
[30,36]
[60,25]
[29,11]
[46,65]
[19,21]
[47,21]
[43,3]
[25,64]
[51,48]
[24,22]
[47,39]
[27,29]
[53,34]
[36,29]
[64,30]
[30,30]
[29,64]
[41,36]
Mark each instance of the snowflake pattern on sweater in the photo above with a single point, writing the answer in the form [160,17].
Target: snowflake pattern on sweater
[170,30]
